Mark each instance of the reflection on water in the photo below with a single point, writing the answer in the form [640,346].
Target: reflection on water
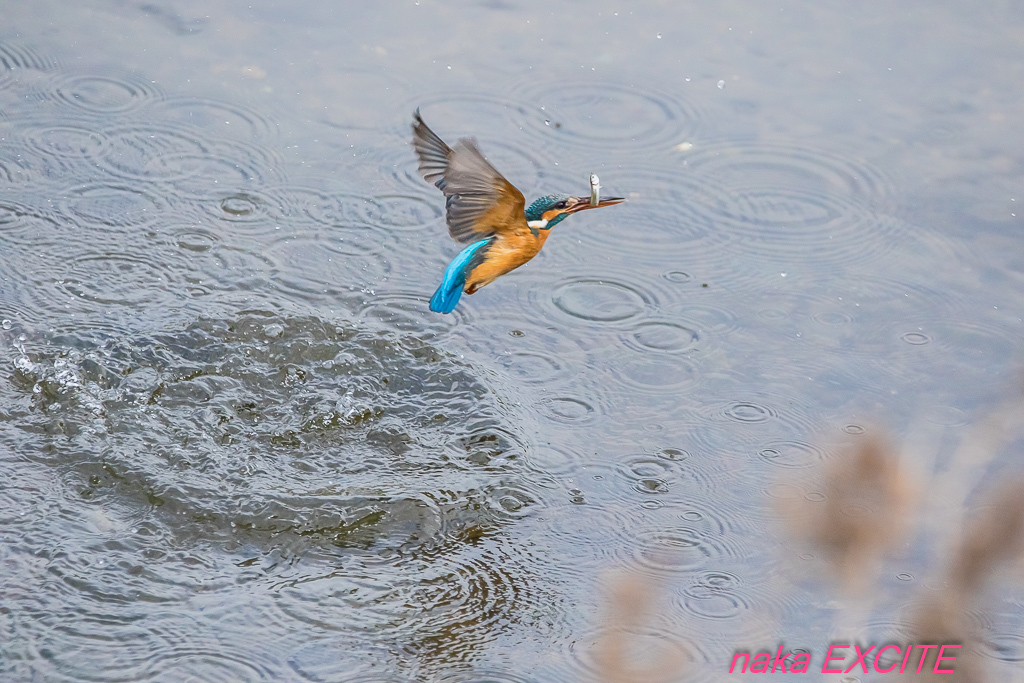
[237,445]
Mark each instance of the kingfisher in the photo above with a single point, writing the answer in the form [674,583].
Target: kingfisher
[486,212]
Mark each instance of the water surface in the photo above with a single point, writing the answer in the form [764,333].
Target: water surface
[236,444]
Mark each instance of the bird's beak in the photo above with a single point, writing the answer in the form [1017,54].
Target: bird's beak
[584,203]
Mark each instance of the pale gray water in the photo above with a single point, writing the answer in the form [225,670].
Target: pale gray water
[236,445]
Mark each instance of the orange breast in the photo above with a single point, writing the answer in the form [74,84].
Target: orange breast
[505,254]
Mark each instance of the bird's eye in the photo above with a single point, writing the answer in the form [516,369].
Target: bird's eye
[560,205]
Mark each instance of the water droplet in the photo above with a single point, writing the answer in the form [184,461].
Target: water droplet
[664,336]
[673,454]
[749,412]
[239,205]
[916,338]
[603,301]
[6,324]
[721,85]
[659,36]
[568,409]
[651,486]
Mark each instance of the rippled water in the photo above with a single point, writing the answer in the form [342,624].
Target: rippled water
[236,444]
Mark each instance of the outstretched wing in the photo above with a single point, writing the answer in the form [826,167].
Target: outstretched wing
[480,202]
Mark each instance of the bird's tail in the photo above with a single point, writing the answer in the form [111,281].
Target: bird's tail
[446,298]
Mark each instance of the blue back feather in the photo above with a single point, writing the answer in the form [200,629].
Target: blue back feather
[450,290]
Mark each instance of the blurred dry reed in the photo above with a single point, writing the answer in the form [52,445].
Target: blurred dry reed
[630,598]
[867,509]
[993,539]
[863,513]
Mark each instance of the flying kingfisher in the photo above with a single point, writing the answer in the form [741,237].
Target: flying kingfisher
[488,213]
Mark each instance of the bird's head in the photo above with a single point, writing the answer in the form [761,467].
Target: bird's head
[546,212]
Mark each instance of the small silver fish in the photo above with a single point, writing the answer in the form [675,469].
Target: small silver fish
[595,189]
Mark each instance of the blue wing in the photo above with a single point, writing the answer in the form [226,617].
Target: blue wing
[450,290]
